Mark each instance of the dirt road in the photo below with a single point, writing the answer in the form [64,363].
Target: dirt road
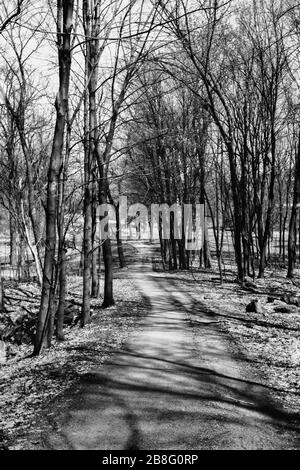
[170,388]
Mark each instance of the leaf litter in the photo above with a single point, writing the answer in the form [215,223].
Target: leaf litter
[28,385]
[268,342]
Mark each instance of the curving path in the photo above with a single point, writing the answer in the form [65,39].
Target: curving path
[171,387]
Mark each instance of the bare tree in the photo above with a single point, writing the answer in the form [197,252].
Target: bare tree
[9,15]
[45,318]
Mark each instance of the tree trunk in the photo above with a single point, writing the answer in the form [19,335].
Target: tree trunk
[1,293]
[237,239]
[62,297]
[61,271]
[99,269]
[108,298]
[64,28]
[13,258]
[90,20]
[94,286]
[119,241]
[87,253]
[292,241]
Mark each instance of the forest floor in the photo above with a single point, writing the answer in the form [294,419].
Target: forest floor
[255,357]
[267,341]
[184,381]
[28,385]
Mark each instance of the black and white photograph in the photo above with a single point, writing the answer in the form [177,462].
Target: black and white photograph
[149,229]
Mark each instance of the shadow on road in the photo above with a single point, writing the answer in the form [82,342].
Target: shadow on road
[174,386]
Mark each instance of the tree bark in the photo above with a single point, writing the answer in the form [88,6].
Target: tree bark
[108,298]
[119,241]
[90,20]
[64,28]
[1,293]
[13,258]
[292,241]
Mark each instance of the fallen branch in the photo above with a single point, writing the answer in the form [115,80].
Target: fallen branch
[22,299]
[257,322]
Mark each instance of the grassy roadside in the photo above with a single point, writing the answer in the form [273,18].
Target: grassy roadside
[28,386]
